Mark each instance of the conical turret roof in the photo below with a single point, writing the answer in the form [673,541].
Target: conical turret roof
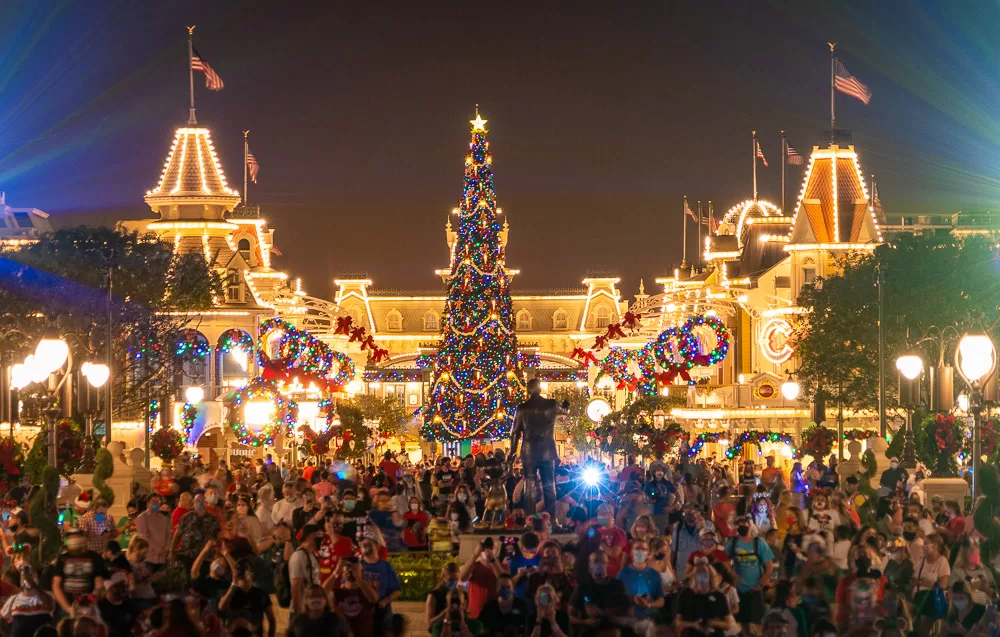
[192,174]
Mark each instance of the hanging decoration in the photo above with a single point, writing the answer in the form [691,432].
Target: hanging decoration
[775,340]
[315,444]
[167,444]
[671,355]
[860,435]
[154,413]
[190,345]
[943,437]
[284,417]
[189,413]
[298,355]
[345,327]
[735,448]
[662,440]
[234,339]
[818,441]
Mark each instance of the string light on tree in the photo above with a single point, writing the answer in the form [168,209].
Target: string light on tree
[473,392]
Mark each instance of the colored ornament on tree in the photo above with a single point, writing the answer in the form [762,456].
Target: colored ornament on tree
[283,417]
[475,380]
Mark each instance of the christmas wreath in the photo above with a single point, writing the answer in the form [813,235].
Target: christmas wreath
[817,441]
[69,449]
[859,434]
[942,439]
[662,440]
[167,444]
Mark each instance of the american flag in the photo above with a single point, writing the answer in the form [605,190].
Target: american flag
[847,83]
[688,211]
[794,158]
[252,166]
[760,154]
[877,204]
[212,80]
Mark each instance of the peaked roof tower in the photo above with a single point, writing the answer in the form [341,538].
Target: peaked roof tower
[192,184]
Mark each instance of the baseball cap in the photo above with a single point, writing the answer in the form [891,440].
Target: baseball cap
[118,577]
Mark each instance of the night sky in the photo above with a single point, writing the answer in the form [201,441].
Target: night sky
[601,116]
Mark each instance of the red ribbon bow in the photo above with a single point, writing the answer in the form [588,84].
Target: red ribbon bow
[631,321]
[343,325]
[357,334]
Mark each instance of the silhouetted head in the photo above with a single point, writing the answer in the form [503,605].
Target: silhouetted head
[534,387]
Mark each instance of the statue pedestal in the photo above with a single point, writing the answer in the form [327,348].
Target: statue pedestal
[878,446]
[120,481]
[848,468]
[948,488]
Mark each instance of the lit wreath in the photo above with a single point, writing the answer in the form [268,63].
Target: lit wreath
[234,339]
[286,414]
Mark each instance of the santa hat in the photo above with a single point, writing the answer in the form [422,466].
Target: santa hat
[83,500]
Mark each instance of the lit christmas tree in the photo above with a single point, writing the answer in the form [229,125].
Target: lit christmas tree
[476,382]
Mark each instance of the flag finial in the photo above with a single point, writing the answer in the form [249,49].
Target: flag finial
[191,29]
[832,45]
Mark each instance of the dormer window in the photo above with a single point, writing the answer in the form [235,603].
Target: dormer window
[600,317]
[394,321]
[524,320]
[560,320]
[430,321]
[244,249]
[234,287]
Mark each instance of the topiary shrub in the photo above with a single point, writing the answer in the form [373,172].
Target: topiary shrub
[104,468]
[44,517]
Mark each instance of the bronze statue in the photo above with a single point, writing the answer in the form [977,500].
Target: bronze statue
[535,422]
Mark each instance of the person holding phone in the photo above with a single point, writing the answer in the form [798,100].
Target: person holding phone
[481,574]
[456,622]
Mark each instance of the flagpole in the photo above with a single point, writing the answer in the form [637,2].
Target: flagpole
[754,152]
[711,227]
[698,252]
[192,121]
[833,84]
[246,149]
[784,155]
[684,253]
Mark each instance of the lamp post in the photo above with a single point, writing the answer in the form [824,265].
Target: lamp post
[976,359]
[51,354]
[97,375]
[659,418]
[910,367]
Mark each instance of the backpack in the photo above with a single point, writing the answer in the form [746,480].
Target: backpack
[283,580]
[731,550]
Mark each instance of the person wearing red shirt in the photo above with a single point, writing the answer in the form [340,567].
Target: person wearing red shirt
[723,513]
[955,528]
[613,539]
[390,467]
[481,574]
[632,471]
[846,611]
[334,546]
[771,475]
[709,549]
[415,524]
[307,473]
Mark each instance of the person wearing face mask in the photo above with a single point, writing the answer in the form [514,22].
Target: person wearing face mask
[29,609]
[142,575]
[752,562]
[709,548]
[284,509]
[77,571]
[551,574]
[613,539]
[964,613]
[156,530]
[98,526]
[662,495]
[932,570]
[892,478]
[389,522]
[702,610]
[505,614]
[126,525]
[211,582]
[436,604]
[481,573]
[382,576]
[642,582]
[355,511]
[456,622]
[585,603]
[415,525]
[954,529]
[318,620]
[334,547]
[193,531]
[303,566]
[686,539]
[214,504]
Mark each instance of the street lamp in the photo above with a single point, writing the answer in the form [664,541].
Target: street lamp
[51,352]
[194,394]
[97,375]
[790,389]
[659,418]
[910,367]
[975,358]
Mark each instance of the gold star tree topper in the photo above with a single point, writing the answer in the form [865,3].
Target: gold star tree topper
[478,124]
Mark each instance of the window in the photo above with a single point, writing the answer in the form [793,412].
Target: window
[234,287]
[430,321]
[524,320]
[244,248]
[560,320]
[23,219]
[355,315]
[600,317]
[396,392]
[394,321]
[808,275]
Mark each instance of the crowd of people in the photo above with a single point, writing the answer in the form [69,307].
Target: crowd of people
[687,548]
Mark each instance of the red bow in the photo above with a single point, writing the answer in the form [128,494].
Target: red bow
[368,343]
[589,359]
[343,325]
[380,354]
[668,377]
[631,321]
[601,342]
[86,598]
[578,353]
[357,334]
[615,331]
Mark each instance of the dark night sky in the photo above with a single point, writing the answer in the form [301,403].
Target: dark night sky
[601,116]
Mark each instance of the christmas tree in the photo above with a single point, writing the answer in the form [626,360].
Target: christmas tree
[476,383]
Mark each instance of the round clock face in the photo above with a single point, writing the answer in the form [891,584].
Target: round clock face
[598,408]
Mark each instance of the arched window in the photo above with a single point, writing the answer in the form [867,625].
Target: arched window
[524,320]
[600,316]
[355,314]
[430,320]
[244,248]
[560,320]
[394,321]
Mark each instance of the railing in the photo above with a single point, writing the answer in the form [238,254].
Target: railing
[245,212]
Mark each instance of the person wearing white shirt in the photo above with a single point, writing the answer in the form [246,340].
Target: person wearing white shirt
[284,509]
